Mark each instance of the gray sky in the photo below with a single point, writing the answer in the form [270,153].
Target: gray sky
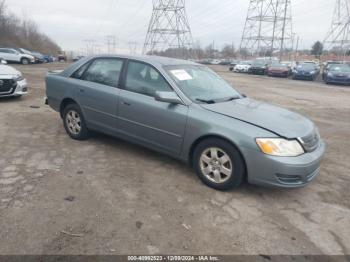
[70,22]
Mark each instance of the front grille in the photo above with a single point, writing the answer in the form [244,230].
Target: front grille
[311,142]
[7,86]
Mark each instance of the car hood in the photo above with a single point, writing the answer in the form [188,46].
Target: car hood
[275,119]
[8,70]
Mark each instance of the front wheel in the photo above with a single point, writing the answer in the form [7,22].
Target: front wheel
[74,122]
[25,61]
[218,164]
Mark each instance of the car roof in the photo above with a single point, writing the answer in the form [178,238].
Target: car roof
[160,60]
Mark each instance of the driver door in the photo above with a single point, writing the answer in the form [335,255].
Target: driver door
[156,124]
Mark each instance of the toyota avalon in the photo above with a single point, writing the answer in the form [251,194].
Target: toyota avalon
[187,111]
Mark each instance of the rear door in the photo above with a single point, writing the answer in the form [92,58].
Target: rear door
[97,92]
[159,125]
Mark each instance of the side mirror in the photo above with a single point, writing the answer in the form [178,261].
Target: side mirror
[168,97]
[244,95]
[3,62]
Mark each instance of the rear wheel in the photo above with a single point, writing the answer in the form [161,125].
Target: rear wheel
[218,164]
[74,122]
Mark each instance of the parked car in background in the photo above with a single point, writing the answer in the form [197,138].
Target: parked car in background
[306,71]
[338,74]
[290,64]
[62,58]
[233,64]
[12,82]
[39,58]
[259,67]
[225,61]
[189,112]
[14,56]
[215,62]
[77,58]
[279,69]
[328,66]
[242,67]
[49,58]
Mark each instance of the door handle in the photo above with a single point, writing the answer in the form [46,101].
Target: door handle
[126,103]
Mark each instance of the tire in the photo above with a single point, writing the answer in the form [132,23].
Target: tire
[229,159]
[74,122]
[25,61]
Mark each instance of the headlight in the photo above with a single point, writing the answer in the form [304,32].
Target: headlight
[18,78]
[295,71]
[330,75]
[280,147]
[313,72]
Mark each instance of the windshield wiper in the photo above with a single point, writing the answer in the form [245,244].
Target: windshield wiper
[209,101]
[231,98]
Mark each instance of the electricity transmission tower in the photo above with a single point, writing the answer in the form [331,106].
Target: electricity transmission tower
[169,29]
[268,27]
[338,35]
[111,44]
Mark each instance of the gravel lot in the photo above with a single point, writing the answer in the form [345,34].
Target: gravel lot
[106,196]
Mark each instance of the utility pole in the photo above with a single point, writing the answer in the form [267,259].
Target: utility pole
[338,35]
[268,27]
[169,29]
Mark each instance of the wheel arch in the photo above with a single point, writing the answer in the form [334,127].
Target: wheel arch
[66,101]
[209,136]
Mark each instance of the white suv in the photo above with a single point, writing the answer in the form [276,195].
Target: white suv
[12,55]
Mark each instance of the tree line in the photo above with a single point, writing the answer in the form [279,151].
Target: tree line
[23,33]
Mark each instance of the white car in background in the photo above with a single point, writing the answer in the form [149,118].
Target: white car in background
[13,55]
[242,67]
[12,82]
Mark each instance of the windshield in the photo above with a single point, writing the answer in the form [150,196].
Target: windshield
[25,51]
[201,84]
[307,66]
[340,68]
[245,63]
[259,63]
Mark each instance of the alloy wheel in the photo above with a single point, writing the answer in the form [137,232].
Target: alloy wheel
[216,165]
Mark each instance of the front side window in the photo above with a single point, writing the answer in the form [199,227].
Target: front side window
[201,84]
[105,71]
[144,79]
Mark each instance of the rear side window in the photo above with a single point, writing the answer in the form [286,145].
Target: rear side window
[105,71]
[144,79]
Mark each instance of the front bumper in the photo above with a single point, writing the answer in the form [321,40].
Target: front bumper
[343,81]
[278,74]
[304,76]
[257,71]
[285,172]
[20,90]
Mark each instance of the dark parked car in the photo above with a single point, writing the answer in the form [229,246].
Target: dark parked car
[307,71]
[259,67]
[278,69]
[189,112]
[62,58]
[327,67]
[338,74]
[39,58]
[48,58]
